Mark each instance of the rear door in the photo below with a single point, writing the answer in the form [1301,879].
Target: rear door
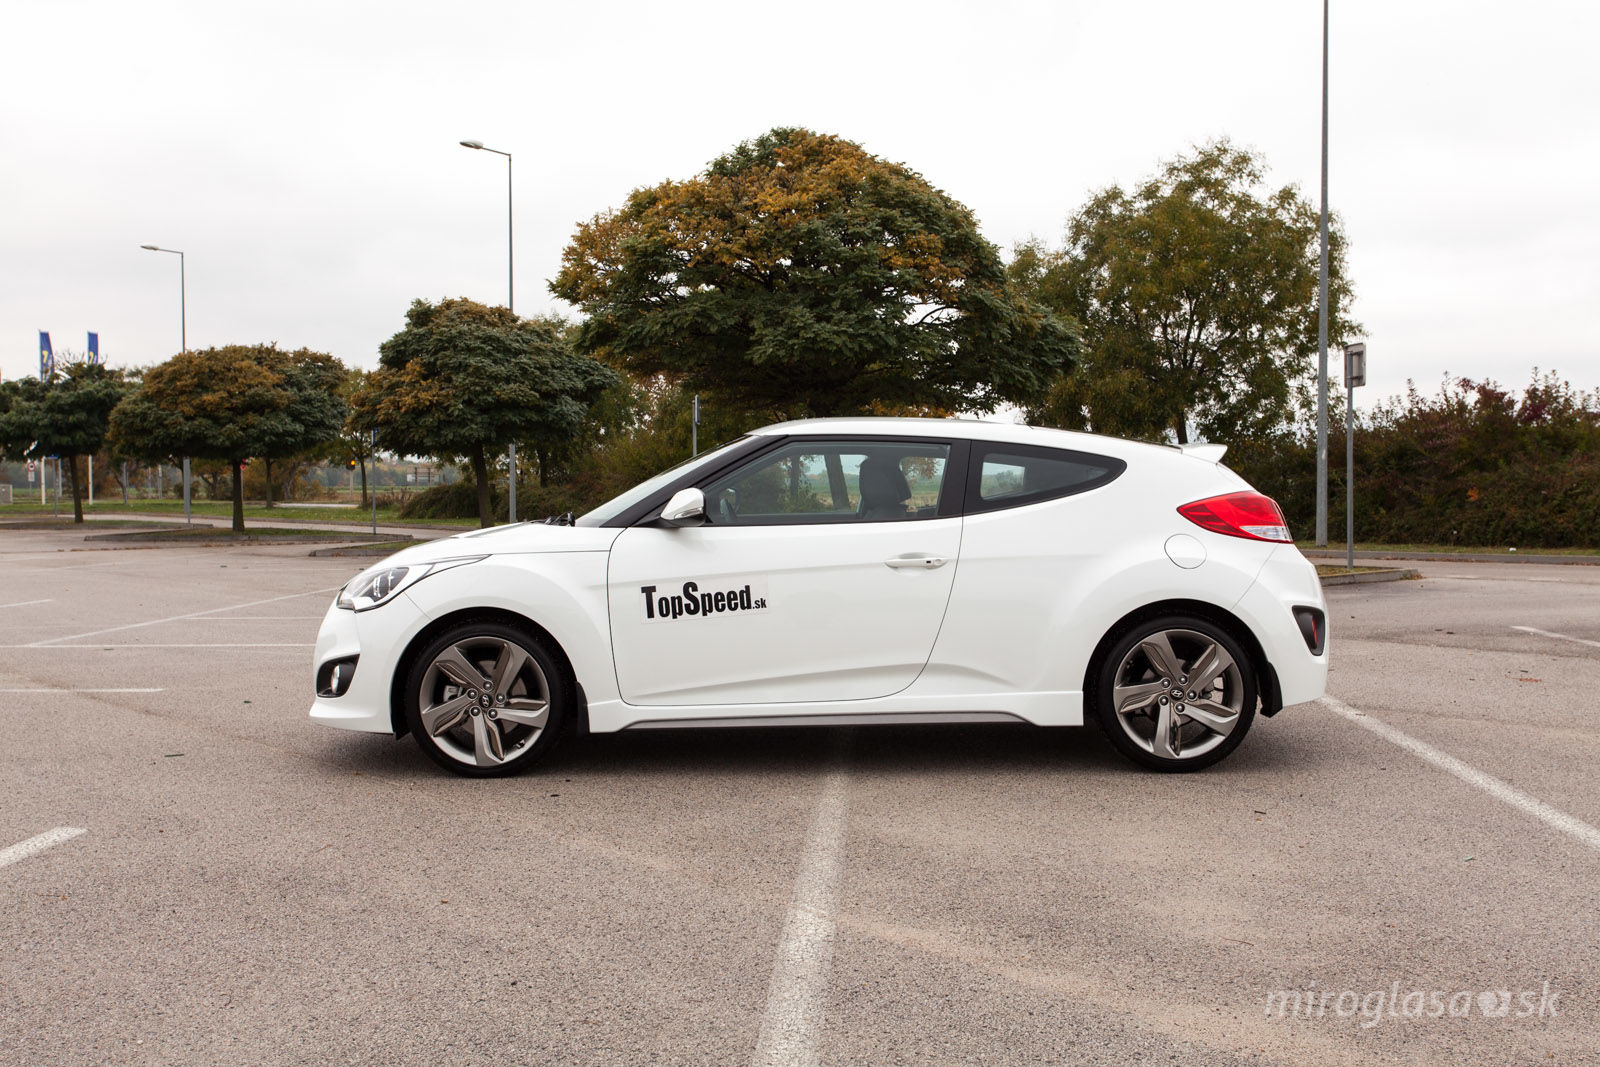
[822,573]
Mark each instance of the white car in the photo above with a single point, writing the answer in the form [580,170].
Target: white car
[849,571]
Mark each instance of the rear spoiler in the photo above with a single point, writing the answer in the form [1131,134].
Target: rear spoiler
[1204,450]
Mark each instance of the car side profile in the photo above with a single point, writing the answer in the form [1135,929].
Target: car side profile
[849,571]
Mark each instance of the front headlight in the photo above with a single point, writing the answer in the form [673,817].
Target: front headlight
[376,586]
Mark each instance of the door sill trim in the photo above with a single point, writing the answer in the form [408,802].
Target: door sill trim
[909,718]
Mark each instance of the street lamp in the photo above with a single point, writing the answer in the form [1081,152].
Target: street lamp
[1322,312]
[511,302]
[183,339]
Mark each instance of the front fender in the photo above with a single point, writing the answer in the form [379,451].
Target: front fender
[564,593]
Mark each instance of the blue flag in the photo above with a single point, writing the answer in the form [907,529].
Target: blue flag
[47,358]
[94,349]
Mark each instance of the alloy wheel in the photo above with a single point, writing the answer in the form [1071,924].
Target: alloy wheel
[1178,694]
[484,701]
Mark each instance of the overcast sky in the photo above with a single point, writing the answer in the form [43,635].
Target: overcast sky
[305,156]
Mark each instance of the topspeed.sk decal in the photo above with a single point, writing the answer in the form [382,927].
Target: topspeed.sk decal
[692,602]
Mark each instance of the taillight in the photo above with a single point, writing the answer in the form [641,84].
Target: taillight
[1248,514]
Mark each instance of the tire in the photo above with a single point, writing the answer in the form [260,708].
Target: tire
[466,722]
[1159,658]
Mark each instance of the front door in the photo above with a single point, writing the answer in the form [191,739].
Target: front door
[821,573]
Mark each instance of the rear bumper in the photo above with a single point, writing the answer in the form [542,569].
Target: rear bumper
[1287,581]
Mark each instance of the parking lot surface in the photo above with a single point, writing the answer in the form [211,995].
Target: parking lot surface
[250,888]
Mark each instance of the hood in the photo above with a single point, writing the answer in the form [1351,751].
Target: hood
[522,537]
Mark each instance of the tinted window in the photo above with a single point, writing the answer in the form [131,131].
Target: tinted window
[831,482]
[1004,476]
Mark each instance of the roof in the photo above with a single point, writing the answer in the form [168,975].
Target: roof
[966,428]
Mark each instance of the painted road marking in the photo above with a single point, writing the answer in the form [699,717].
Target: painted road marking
[791,1029]
[1559,637]
[25,603]
[256,644]
[177,618]
[34,845]
[82,690]
[1552,817]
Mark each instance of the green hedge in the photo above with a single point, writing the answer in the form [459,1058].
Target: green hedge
[1473,465]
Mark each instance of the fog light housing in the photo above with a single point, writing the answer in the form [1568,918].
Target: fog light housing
[1313,627]
[334,677]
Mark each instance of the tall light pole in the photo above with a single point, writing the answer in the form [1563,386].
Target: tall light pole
[511,306]
[1322,313]
[183,339]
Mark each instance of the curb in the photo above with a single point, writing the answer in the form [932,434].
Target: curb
[204,541]
[1454,557]
[344,551]
[1394,574]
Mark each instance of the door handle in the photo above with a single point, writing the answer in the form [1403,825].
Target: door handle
[926,563]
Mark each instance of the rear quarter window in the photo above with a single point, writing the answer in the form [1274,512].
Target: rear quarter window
[1009,476]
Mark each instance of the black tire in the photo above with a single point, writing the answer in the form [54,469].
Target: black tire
[437,685]
[1204,733]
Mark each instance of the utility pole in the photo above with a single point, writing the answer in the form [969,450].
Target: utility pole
[1322,313]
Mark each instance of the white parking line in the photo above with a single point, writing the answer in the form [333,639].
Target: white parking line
[176,618]
[792,1026]
[247,644]
[25,603]
[34,845]
[1559,637]
[82,690]
[1554,818]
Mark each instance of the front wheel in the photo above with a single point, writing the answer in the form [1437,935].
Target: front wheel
[1176,694]
[485,699]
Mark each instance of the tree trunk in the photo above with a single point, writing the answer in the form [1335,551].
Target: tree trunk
[268,472]
[123,483]
[1183,430]
[480,472]
[363,462]
[77,489]
[544,468]
[238,497]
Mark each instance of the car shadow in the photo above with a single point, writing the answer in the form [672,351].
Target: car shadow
[1002,749]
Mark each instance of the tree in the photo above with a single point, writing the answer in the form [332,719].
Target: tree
[231,404]
[463,381]
[1197,292]
[799,274]
[354,443]
[65,415]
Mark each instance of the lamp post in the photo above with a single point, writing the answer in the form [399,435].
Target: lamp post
[1322,313]
[183,340]
[511,306]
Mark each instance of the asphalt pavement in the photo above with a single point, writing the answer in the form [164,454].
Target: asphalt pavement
[248,887]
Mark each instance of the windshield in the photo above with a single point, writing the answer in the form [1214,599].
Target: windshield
[618,504]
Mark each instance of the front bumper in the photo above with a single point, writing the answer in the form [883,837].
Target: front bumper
[378,637]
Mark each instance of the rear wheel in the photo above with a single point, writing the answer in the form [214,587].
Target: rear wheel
[486,699]
[1176,694]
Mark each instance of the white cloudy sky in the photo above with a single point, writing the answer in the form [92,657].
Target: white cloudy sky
[305,157]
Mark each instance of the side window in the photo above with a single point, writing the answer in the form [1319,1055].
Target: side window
[832,482]
[1007,476]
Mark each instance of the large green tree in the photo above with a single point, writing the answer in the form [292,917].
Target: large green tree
[800,274]
[463,381]
[231,404]
[65,415]
[1197,293]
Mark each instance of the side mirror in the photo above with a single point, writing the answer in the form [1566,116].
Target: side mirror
[686,508]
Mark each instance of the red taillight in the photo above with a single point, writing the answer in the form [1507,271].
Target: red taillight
[1249,515]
